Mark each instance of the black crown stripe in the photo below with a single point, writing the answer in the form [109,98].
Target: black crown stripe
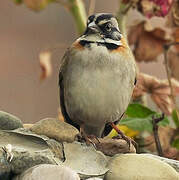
[102,17]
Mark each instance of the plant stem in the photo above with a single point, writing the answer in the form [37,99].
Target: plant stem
[91,7]
[155,122]
[77,9]
[166,48]
[121,16]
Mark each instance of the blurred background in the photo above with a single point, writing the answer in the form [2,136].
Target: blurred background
[23,35]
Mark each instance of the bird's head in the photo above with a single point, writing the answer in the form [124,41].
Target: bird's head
[103,27]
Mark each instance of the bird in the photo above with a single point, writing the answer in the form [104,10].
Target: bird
[97,76]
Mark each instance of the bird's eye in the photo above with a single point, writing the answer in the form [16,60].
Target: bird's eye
[108,27]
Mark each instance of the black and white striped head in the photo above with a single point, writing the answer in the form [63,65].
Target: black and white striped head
[105,26]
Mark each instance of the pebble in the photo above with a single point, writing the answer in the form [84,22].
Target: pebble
[5,169]
[139,167]
[9,121]
[56,129]
[48,172]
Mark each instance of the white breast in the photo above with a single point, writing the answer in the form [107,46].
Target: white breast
[98,85]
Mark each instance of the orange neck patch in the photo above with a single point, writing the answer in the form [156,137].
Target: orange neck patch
[77,45]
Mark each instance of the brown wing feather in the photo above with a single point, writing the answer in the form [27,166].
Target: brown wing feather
[62,98]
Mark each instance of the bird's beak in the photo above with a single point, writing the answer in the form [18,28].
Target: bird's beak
[92,28]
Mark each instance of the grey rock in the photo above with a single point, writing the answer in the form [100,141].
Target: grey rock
[5,168]
[171,162]
[24,140]
[85,160]
[29,149]
[95,178]
[25,160]
[48,172]
[9,121]
[139,167]
[56,129]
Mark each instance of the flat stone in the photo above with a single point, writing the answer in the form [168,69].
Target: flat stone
[48,172]
[85,160]
[139,167]
[9,121]
[28,149]
[56,129]
[95,178]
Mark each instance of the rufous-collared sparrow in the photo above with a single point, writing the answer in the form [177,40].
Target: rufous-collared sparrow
[97,76]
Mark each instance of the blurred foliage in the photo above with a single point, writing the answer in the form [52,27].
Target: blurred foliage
[139,118]
[35,5]
[75,7]
[18,1]
[175,143]
[175,118]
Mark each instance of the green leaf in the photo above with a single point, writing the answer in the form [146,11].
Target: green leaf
[139,118]
[139,124]
[164,122]
[175,118]
[18,1]
[175,143]
[138,111]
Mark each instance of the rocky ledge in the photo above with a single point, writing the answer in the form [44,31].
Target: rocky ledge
[49,150]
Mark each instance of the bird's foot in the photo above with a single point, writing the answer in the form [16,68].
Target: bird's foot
[127,139]
[121,135]
[88,139]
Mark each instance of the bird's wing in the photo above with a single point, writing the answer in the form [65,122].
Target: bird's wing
[63,65]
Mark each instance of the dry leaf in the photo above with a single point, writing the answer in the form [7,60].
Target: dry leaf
[175,13]
[168,150]
[176,38]
[36,5]
[148,44]
[165,142]
[172,153]
[173,55]
[173,59]
[112,146]
[45,64]
[158,89]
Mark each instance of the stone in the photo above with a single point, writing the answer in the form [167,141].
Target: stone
[56,129]
[48,172]
[110,146]
[94,178]
[171,162]
[27,126]
[25,160]
[85,160]
[24,140]
[139,167]
[5,168]
[26,149]
[9,121]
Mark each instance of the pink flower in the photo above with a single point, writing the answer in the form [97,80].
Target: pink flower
[155,7]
